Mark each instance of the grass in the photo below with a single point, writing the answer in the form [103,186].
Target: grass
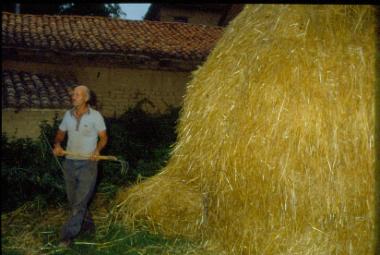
[117,241]
[34,229]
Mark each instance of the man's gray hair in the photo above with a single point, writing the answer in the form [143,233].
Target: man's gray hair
[86,91]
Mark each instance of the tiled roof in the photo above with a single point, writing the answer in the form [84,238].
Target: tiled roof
[89,34]
[30,90]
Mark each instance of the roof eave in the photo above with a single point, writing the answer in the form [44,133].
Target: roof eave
[139,61]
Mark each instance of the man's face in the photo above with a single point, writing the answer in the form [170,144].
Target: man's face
[78,97]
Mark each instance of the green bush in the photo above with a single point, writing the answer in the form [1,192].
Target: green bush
[30,171]
[142,139]
[27,171]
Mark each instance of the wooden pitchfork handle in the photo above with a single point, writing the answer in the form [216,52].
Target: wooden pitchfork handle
[88,156]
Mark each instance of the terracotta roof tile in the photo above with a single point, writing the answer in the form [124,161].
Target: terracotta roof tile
[30,90]
[106,35]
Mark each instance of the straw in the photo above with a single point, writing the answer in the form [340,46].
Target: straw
[275,144]
[31,229]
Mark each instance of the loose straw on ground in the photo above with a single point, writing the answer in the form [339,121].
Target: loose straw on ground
[275,144]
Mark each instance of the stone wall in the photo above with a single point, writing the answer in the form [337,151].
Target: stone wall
[194,16]
[26,122]
[117,89]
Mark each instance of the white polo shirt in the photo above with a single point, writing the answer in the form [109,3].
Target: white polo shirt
[83,132]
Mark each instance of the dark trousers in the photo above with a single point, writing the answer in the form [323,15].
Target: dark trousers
[80,179]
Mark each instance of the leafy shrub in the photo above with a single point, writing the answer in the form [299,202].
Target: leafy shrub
[27,170]
[144,140]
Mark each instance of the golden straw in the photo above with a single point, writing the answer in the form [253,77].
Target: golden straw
[275,149]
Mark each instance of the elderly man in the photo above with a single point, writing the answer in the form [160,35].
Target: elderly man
[86,136]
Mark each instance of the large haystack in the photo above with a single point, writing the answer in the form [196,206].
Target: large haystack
[275,145]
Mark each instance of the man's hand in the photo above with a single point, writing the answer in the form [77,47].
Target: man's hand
[58,150]
[59,137]
[94,155]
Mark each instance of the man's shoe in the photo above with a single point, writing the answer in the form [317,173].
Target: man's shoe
[65,243]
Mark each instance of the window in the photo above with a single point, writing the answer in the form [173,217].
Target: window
[181,19]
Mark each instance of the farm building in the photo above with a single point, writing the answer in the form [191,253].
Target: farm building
[122,62]
[206,14]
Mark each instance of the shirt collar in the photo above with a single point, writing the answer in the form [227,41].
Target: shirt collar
[88,111]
